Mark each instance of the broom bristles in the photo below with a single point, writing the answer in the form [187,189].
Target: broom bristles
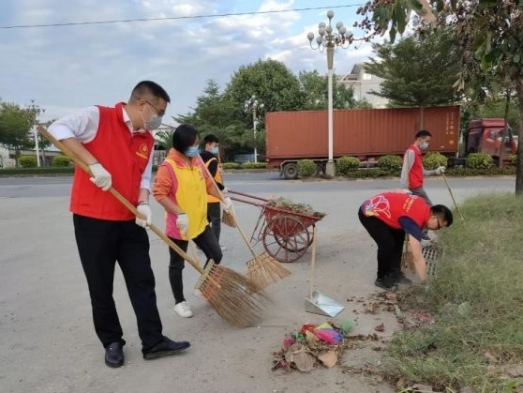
[237,300]
[264,270]
[228,219]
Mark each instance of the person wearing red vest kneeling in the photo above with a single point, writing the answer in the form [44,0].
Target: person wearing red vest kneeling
[387,217]
[117,144]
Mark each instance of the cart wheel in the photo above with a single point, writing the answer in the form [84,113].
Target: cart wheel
[286,238]
[297,247]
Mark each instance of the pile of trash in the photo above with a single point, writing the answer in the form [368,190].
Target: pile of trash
[313,344]
[301,208]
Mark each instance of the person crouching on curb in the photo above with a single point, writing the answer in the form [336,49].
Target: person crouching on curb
[387,217]
[181,187]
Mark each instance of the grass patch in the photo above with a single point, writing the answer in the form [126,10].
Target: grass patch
[477,301]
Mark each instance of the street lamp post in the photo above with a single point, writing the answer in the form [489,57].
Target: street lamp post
[253,104]
[328,40]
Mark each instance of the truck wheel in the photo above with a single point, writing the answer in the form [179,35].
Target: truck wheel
[290,170]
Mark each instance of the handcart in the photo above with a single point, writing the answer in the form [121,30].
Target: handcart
[286,235]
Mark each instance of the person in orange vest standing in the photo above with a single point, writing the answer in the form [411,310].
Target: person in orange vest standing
[181,187]
[412,171]
[117,144]
[387,217]
[210,156]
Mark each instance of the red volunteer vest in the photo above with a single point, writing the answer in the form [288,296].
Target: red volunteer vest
[124,155]
[416,172]
[389,207]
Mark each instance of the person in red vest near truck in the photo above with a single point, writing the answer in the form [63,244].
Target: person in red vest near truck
[117,144]
[412,171]
[387,217]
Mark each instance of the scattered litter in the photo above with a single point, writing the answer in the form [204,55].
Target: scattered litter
[300,208]
[314,344]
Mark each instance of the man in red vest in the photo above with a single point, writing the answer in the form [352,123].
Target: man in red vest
[117,144]
[413,173]
[387,217]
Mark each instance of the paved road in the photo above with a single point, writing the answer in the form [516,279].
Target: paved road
[33,187]
[47,343]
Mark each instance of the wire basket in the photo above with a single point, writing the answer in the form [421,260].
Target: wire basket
[432,253]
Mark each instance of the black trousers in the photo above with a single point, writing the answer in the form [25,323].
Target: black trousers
[390,243]
[214,215]
[208,243]
[101,244]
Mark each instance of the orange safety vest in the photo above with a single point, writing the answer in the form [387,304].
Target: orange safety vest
[218,178]
[125,156]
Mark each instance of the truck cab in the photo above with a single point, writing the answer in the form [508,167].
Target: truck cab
[484,136]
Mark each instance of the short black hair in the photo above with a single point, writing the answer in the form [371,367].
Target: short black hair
[211,138]
[184,137]
[148,87]
[444,212]
[423,134]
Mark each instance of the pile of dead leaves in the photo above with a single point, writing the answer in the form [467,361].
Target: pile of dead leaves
[301,208]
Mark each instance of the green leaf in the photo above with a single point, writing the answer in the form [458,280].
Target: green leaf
[517,58]
[400,16]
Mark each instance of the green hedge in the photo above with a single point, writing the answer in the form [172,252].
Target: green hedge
[434,160]
[345,165]
[479,161]
[61,161]
[306,168]
[390,163]
[27,161]
[253,165]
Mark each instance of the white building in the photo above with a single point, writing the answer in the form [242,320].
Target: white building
[363,83]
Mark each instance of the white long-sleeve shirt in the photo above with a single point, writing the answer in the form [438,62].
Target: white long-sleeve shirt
[83,125]
[408,161]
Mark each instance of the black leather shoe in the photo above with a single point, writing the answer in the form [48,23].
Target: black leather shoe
[166,347]
[114,354]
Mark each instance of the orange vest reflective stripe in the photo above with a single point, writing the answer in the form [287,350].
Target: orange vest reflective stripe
[218,178]
[125,156]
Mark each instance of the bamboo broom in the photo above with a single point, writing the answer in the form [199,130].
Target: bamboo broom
[263,270]
[232,295]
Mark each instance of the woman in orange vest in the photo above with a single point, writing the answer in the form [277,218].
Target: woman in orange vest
[211,159]
[181,187]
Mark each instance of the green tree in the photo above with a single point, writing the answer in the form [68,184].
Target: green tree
[417,72]
[16,124]
[315,87]
[489,31]
[271,82]
[215,113]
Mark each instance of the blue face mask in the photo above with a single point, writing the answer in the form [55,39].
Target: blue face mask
[191,151]
[215,150]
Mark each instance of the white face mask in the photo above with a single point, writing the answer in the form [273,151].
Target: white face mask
[424,145]
[153,123]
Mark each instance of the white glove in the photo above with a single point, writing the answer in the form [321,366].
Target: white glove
[440,170]
[225,190]
[227,204]
[145,210]
[182,222]
[406,191]
[100,176]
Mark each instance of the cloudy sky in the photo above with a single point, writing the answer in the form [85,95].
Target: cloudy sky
[69,67]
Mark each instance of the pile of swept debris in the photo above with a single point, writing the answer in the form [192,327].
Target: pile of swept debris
[300,208]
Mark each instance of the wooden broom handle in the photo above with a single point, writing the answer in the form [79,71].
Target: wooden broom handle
[452,196]
[313,262]
[232,213]
[120,197]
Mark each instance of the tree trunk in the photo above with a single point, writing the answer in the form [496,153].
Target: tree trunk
[519,165]
[505,129]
